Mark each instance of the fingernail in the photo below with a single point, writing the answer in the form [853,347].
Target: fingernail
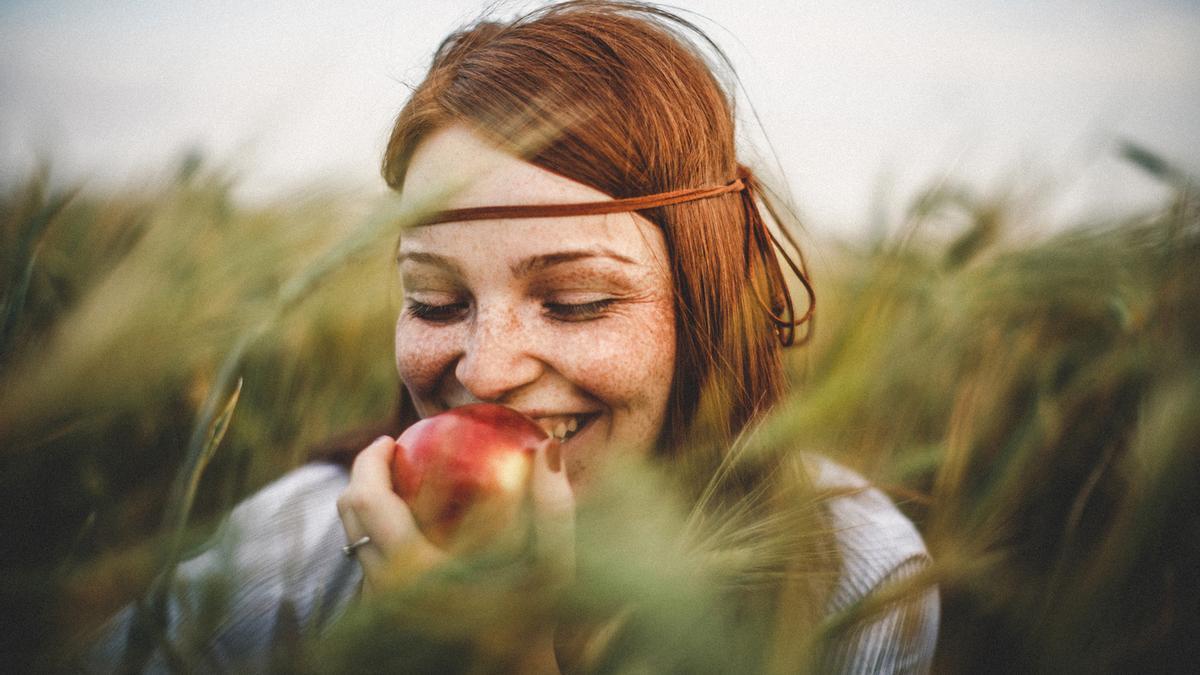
[554,457]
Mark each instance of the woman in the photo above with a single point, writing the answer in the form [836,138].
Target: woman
[645,319]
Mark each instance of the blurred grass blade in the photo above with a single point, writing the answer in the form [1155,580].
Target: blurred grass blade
[21,264]
[216,432]
[149,629]
[1154,164]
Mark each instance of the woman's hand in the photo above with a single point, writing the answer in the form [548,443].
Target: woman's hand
[398,552]
[370,507]
[553,513]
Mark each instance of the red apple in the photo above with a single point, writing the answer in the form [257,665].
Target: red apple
[467,468]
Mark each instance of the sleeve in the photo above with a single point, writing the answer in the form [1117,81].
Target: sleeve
[900,640]
[274,572]
[880,548]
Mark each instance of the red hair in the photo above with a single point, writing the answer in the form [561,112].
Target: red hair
[635,109]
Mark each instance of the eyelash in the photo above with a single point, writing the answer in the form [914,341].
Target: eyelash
[434,313]
[583,311]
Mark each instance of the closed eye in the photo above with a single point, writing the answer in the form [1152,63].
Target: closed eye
[436,313]
[582,311]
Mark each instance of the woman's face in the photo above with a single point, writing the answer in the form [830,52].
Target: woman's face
[569,320]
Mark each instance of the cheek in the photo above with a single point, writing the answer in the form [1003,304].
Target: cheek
[423,354]
[629,363]
[629,368]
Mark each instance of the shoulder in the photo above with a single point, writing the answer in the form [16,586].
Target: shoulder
[284,543]
[276,561]
[874,538]
[879,547]
[305,495]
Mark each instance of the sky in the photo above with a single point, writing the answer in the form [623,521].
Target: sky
[856,104]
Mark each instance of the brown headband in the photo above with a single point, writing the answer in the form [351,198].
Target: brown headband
[581,208]
[758,237]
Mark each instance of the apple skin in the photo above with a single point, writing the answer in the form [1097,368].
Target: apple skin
[466,469]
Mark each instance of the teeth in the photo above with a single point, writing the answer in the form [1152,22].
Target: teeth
[560,427]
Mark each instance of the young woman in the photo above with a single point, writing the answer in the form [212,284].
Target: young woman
[603,267]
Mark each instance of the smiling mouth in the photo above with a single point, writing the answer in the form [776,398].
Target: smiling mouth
[565,427]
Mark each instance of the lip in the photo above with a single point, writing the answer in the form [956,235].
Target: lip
[586,417]
[539,414]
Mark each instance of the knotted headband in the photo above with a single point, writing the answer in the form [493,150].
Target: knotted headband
[758,237]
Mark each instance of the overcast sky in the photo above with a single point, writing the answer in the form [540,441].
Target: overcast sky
[854,97]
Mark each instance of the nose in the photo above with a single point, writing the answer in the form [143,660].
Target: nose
[497,358]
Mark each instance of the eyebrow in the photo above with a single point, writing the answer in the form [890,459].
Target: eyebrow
[429,259]
[523,267]
[538,263]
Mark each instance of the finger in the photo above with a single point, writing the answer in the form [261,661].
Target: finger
[377,509]
[372,469]
[356,497]
[370,507]
[368,556]
[366,489]
[553,497]
[350,524]
[553,503]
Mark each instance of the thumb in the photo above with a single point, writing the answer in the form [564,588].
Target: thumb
[553,503]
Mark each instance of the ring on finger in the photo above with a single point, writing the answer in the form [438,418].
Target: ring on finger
[350,549]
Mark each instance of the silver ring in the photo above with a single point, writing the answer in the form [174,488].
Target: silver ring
[350,549]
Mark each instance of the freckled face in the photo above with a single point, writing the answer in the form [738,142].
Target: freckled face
[569,320]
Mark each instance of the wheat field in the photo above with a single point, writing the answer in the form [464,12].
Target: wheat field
[1031,402]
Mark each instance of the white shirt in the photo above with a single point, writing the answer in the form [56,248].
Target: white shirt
[282,546]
